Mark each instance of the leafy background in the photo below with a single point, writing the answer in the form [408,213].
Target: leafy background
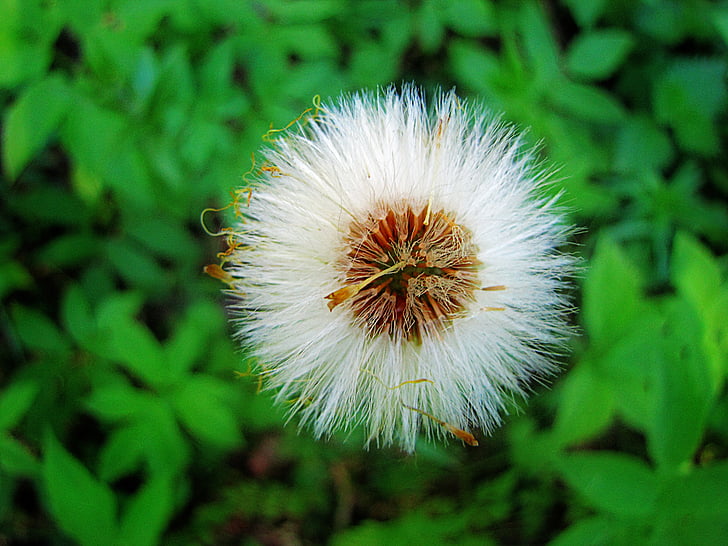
[121,420]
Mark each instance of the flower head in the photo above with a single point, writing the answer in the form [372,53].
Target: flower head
[396,268]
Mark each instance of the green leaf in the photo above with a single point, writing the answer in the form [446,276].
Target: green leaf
[688,97]
[166,448]
[702,491]
[148,513]
[693,508]
[586,406]
[123,452]
[597,54]
[695,272]
[614,482]
[15,402]
[13,276]
[585,102]
[125,340]
[612,294]
[628,365]
[200,406]
[601,530]
[472,65]
[685,390]
[31,121]
[77,315]
[133,345]
[83,507]
[539,43]
[135,265]
[470,18]
[16,459]
[70,250]
[118,401]
[186,347]
[587,12]
[37,331]
[641,146]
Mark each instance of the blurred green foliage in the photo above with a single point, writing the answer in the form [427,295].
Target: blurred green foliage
[121,421]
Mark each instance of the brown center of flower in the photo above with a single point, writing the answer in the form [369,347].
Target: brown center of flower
[407,271]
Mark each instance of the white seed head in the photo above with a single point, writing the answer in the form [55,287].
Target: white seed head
[397,268]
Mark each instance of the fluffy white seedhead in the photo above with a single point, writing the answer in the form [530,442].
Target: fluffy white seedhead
[396,268]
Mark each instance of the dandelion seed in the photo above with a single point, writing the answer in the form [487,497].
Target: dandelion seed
[379,237]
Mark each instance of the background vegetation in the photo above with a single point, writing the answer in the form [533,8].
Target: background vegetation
[121,420]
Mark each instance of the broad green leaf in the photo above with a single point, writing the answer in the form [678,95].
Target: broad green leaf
[133,345]
[702,491]
[471,18]
[118,402]
[430,29]
[539,43]
[601,530]
[473,66]
[123,453]
[598,53]
[12,277]
[77,315]
[612,294]
[628,364]
[695,271]
[70,250]
[15,402]
[186,347]
[685,390]
[585,102]
[31,121]
[148,513]
[135,265]
[688,97]
[37,331]
[587,12]
[200,406]
[641,145]
[84,507]
[586,406]
[124,339]
[166,448]
[613,482]
[16,459]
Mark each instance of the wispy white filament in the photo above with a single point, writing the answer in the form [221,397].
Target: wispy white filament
[334,168]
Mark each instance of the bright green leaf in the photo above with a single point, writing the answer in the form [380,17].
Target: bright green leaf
[77,315]
[695,271]
[84,507]
[587,12]
[585,406]
[585,102]
[37,331]
[614,482]
[601,530]
[148,513]
[685,390]
[32,120]
[612,294]
[118,401]
[597,54]
[201,407]
[15,402]
[123,452]
[16,459]
[470,18]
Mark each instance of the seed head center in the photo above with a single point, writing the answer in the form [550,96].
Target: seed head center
[407,272]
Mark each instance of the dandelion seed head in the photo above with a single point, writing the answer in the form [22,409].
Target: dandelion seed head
[394,257]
